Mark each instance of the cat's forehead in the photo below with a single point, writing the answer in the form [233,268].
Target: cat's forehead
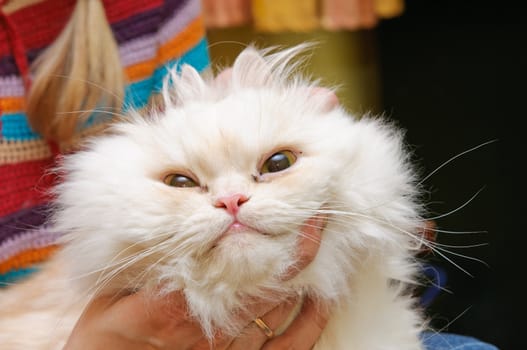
[244,121]
[237,132]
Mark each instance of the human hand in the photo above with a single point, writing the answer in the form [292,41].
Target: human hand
[136,322]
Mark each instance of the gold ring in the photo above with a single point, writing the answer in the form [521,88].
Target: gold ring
[264,327]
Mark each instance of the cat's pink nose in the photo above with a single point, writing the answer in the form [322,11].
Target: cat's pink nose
[231,203]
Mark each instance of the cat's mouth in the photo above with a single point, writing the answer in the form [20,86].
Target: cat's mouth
[237,228]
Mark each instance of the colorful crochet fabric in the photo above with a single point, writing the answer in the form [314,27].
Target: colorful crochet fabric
[152,35]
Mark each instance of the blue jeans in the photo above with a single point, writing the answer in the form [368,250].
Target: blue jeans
[447,341]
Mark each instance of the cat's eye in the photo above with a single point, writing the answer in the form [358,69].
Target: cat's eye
[178,180]
[278,161]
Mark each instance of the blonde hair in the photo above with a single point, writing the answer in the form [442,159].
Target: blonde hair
[79,72]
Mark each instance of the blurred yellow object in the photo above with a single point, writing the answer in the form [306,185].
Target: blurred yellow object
[389,8]
[348,14]
[285,15]
[226,13]
[301,16]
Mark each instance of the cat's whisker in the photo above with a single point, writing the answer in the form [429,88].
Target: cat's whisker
[104,279]
[465,246]
[430,281]
[438,250]
[97,110]
[459,207]
[225,42]
[422,241]
[152,237]
[434,246]
[458,232]
[337,215]
[151,266]
[179,247]
[438,331]
[114,262]
[311,238]
[89,82]
[454,158]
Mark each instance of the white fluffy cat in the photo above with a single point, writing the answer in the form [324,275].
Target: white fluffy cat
[153,204]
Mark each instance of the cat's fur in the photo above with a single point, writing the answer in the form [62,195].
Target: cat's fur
[126,229]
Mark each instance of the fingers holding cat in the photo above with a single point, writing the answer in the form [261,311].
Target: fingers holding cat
[305,329]
[252,336]
[308,244]
[302,333]
[135,321]
[138,322]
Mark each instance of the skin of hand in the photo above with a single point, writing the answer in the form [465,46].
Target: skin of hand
[125,323]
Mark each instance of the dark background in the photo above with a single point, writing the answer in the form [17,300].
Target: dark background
[450,73]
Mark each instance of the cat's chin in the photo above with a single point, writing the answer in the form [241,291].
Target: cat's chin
[244,256]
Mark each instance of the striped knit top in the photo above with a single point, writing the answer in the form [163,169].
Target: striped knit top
[152,35]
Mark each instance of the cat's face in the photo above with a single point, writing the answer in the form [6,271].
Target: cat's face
[209,193]
[209,196]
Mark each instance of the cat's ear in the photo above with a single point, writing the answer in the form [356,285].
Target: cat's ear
[268,67]
[328,98]
[250,69]
[183,86]
[223,79]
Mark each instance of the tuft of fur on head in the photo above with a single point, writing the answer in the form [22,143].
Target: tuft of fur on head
[128,230]
[253,68]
